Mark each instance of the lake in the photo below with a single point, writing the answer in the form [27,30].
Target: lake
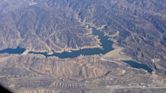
[106,46]
[137,65]
[17,50]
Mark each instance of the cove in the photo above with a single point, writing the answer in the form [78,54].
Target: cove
[17,50]
[137,65]
[106,46]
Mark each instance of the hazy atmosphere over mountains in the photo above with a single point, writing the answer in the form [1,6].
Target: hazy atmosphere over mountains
[136,29]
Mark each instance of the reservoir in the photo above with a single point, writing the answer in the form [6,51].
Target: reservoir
[17,50]
[137,65]
[106,46]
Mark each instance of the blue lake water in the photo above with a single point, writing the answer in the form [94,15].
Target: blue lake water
[137,65]
[105,44]
[17,50]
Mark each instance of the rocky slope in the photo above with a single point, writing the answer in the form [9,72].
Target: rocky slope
[35,74]
[60,25]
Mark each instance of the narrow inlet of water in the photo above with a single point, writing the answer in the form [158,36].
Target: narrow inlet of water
[137,65]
